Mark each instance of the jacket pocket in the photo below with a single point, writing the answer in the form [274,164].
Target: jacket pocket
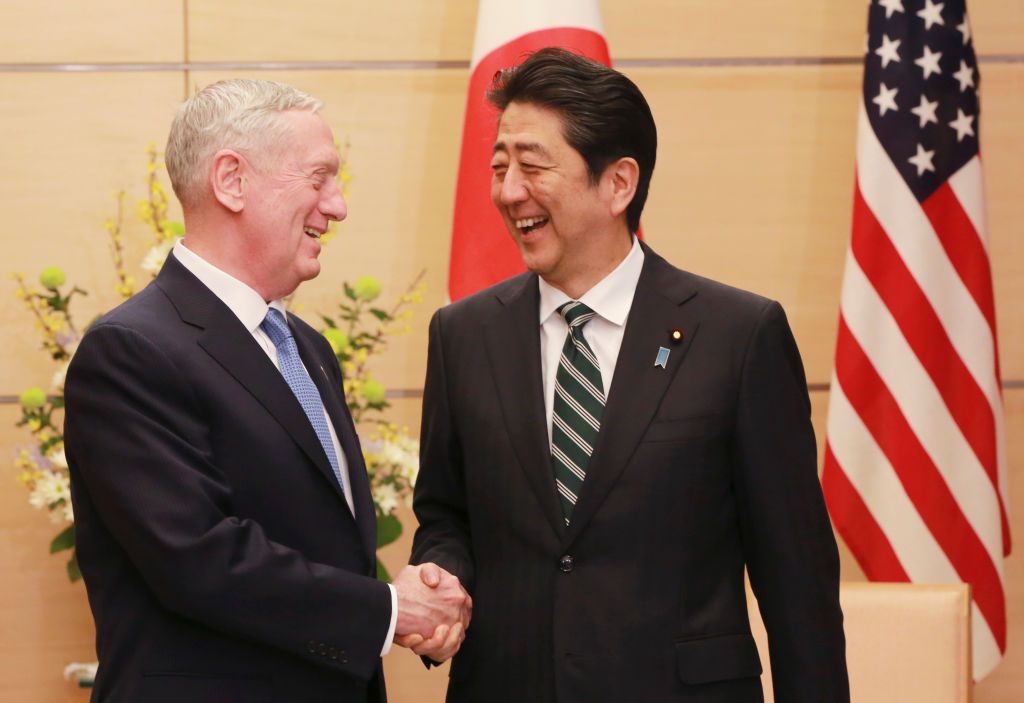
[718,658]
[176,687]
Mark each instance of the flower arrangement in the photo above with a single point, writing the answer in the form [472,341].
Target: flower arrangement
[357,334]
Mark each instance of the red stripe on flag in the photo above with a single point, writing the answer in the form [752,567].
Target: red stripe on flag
[925,334]
[963,247]
[860,530]
[925,485]
[483,253]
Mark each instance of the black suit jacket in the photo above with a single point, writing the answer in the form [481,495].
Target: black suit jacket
[221,561]
[701,468]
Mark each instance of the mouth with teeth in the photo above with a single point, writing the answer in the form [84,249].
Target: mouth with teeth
[315,234]
[529,224]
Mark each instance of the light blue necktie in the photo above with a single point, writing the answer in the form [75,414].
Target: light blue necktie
[299,381]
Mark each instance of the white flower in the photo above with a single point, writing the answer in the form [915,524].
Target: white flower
[59,376]
[69,511]
[156,256]
[50,488]
[386,497]
[58,458]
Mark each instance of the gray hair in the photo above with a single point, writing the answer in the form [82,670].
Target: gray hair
[239,114]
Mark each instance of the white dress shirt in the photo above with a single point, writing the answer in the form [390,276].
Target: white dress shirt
[250,308]
[611,300]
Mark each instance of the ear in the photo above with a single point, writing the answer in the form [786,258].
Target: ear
[226,178]
[621,178]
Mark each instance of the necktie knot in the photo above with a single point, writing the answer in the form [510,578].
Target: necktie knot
[275,327]
[575,314]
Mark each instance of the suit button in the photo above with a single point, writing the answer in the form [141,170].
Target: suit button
[311,646]
[333,654]
[566,563]
[323,650]
[342,657]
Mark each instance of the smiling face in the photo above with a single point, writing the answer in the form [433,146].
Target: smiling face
[292,194]
[563,224]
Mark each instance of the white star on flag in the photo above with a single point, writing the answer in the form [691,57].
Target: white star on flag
[931,14]
[965,75]
[886,99]
[923,160]
[929,62]
[888,50]
[965,29]
[891,6]
[926,111]
[963,124]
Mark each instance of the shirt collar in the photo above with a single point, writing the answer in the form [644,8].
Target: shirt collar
[611,298]
[246,304]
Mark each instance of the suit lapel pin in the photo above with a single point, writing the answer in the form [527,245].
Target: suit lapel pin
[662,358]
[676,335]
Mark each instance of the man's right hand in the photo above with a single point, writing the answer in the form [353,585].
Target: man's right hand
[434,611]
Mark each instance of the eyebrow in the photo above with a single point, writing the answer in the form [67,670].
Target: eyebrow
[535,147]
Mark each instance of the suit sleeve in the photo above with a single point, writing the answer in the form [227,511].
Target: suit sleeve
[440,497]
[788,542]
[135,432]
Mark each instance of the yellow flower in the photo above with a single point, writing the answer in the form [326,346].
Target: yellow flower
[373,391]
[52,277]
[33,398]
[367,288]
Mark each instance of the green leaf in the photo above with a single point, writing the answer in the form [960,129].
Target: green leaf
[74,573]
[388,530]
[349,291]
[382,573]
[65,540]
[328,321]
[57,401]
[45,447]
[381,315]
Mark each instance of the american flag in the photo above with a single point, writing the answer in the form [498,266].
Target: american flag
[915,469]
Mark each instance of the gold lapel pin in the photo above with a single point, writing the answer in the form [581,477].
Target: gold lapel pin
[676,335]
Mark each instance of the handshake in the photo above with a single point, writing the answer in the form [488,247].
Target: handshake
[433,611]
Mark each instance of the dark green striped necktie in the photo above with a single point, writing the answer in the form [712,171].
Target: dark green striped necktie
[576,413]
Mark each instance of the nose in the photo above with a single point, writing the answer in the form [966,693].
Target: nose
[513,187]
[332,202]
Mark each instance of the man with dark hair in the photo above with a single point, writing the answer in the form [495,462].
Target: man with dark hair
[608,441]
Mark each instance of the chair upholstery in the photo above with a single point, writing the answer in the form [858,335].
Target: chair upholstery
[905,643]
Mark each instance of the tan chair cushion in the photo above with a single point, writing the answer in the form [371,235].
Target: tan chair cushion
[905,643]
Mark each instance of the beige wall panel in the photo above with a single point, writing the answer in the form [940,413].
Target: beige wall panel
[328,30]
[753,28]
[44,619]
[78,138]
[1002,104]
[404,129]
[320,30]
[66,31]
[754,184]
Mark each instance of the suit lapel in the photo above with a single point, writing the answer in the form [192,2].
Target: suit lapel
[333,400]
[513,344]
[638,385]
[226,340]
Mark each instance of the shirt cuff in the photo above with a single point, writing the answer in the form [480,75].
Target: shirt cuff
[394,621]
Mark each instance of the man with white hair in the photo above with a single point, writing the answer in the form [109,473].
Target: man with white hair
[224,523]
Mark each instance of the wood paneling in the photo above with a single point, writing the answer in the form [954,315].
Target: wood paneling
[46,619]
[328,30]
[72,141]
[781,28]
[322,30]
[57,31]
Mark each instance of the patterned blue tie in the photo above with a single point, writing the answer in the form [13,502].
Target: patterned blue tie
[299,381]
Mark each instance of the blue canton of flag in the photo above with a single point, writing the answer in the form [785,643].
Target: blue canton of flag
[921,88]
